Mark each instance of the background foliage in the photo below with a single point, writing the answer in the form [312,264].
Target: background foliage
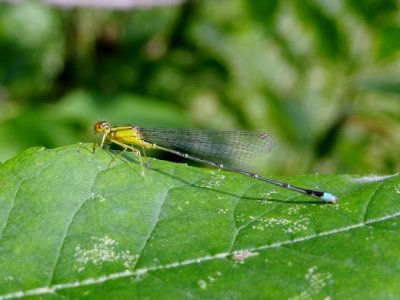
[321,76]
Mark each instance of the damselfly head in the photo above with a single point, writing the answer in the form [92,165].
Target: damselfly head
[102,126]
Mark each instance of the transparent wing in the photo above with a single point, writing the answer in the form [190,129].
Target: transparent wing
[229,147]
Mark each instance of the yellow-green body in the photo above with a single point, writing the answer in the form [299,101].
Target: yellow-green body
[125,136]
[128,137]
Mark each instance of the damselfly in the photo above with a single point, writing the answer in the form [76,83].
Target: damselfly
[222,149]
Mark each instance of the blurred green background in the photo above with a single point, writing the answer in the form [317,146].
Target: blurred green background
[322,77]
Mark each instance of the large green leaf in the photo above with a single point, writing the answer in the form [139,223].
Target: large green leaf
[74,226]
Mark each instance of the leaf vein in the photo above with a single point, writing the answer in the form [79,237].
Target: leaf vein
[222,255]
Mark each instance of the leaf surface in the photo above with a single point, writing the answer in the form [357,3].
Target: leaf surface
[74,224]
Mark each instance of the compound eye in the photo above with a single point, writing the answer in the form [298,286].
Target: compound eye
[101,126]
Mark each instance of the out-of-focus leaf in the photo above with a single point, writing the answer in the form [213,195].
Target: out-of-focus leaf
[263,11]
[121,4]
[31,51]
[329,39]
[379,85]
[373,10]
[75,114]
[389,44]
[328,140]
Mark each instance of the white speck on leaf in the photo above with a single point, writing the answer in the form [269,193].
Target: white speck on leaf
[94,196]
[316,282]
[8,278]
[202,284]
[293,210]
[104,250]
[267,195]
[215,181]
[287,225]
[223,211]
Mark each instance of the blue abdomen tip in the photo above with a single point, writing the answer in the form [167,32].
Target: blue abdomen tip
[329,198]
